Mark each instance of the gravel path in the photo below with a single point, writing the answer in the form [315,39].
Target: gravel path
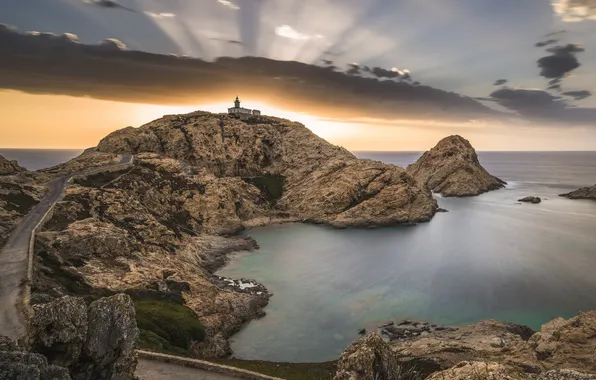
[157,370]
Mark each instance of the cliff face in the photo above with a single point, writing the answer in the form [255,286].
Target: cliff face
[323,183]
[583,193]
[68,340]
[452,169]
[18,195]
[8,167]
[563,349]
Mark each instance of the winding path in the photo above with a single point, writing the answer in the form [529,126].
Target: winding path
[14,257]
[155,370]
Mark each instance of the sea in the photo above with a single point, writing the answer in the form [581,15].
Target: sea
[489,257]
[35,159]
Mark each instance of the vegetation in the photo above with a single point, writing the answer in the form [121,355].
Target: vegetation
[167,326]
[271,186]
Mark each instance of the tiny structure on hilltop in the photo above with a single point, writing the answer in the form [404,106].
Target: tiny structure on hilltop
[237,110]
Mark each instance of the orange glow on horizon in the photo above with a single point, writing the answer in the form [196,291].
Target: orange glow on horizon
[65,122]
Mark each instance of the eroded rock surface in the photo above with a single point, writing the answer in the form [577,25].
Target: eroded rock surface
[8,167]
[583,193]
[323,183]
[368,358]
[18,194]
[452,169]
[563,349]
[93,343]
[530,199]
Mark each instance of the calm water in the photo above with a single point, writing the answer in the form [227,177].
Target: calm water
[34,159]
[487,258]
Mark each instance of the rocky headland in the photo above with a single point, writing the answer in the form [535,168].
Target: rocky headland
[159,229]
[562,349]
[452,169]
[583,193]
[8,167]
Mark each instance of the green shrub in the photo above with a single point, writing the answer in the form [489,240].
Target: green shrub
[167,325]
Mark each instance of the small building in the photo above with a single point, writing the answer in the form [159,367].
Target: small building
[237,110]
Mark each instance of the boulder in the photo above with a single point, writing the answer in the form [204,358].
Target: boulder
[368,358]
[452,169]
[530,199]
[8,167]
[109,351]
[18,364]
[58,330]
[565,374]
[94,343]
[583,193]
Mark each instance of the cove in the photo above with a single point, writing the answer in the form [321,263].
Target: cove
[488,258]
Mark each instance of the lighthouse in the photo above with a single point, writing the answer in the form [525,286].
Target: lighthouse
[237,110]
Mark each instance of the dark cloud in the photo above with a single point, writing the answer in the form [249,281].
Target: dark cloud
[556,87]
[51,64]
[499,82]
[578,95]
[561,62]
[380,72]
[327,61]
[545,43]
[354,69]
[109,4]
[542,106]
[232,42]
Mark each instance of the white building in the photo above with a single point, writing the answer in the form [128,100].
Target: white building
[237,110]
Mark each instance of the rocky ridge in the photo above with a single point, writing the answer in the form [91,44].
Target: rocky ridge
[452,169]
[583,193]
[68,340]
[562,349]
[8,167]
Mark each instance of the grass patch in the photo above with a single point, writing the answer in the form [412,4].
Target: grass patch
[271,186]
[167,326]
[288,371]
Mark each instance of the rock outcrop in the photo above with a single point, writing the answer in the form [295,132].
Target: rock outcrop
[323,183]
[8,167]
[93,343]
[563,349]
[18,195]
[530,199]
[583,193]
[198,179]
[368,358]
[452,169]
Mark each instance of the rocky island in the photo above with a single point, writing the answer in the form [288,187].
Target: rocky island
[583,193]
[452,169]
[158,229]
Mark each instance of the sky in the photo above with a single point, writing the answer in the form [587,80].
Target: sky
[374,75]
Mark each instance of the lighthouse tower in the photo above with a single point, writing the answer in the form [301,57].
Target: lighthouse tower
[237,110]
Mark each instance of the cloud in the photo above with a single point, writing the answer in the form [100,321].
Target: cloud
[109,4]
[578,95]
[499,82]
[287,31]
[561,62]
[160,15]
[380,72]
[52,64]
[354,69]
[575,10]
[545,43]
[233,42]
[327,61]
[539,105]
[228,4]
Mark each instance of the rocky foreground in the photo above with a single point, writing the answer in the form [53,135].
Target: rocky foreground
[563,349]
[452,169]
[67,339]
[583,193]
[19,192]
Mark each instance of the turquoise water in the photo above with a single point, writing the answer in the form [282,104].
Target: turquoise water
[487,258]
